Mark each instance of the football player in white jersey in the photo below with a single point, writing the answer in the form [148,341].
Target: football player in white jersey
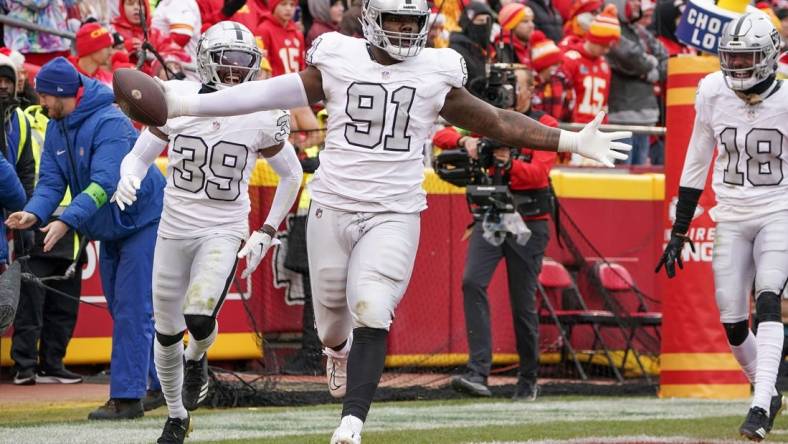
[383,94]
[743,111]
[205,216]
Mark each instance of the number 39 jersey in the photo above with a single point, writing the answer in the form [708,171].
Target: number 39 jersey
[379,120]
[752,151]
[210,161]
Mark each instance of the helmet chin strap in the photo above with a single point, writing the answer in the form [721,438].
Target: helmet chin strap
[759,92]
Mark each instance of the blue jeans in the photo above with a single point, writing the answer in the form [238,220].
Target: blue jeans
[640,149]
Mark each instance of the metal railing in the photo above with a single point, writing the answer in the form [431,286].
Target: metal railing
[16,23]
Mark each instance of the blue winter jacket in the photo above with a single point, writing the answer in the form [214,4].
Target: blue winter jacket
[84,151]
[12,198]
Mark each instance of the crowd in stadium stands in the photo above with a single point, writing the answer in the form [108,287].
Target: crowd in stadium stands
[586,56]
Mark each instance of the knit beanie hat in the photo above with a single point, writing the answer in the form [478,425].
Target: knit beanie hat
[605,28]
[58,78]
[544,52]
[512,14]
[92,37]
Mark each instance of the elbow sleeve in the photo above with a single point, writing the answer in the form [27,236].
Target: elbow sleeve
[286,165]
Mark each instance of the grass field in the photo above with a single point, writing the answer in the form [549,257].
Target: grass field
[551,419]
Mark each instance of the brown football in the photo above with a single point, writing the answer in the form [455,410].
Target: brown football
[140,97]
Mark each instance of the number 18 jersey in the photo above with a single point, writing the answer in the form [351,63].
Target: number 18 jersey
[752,150]
[210,161]
[380,118]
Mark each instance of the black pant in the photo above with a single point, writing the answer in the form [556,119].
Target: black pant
[523,263]
[45,316]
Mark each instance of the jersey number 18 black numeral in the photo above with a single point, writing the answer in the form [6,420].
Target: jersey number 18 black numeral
[764,149]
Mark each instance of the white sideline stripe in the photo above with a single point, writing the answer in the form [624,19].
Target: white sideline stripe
[254,423]
[639,439]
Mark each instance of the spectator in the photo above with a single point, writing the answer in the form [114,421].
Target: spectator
[473,43]
[647,8]
[128,25]
[554,94]
[94,46]
[281,38]
[663,24]
[527,173]
[12,198]
[37,47]
[517,25]
[96,136]
[351,20]
[580,18]
[180,21]
[638,63]
[100,10]
[326,15]
[438,36]
[246,12]
[547,19]
[24,90]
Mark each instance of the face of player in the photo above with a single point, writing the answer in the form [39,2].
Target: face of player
[285,10]
[131,9]
[336,11]
[525,89]
[7,87]
[57,107]
[742,61]
[408,24]
[233,66]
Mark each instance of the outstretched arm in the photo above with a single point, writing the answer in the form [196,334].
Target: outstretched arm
[283,92]
[515,129]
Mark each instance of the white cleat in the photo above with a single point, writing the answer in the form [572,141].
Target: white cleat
[336,369]
[348,432]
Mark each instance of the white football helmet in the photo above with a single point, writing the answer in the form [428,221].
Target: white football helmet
[748,50]
[227,54]
[399,45]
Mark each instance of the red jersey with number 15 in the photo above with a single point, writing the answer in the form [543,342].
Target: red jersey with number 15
[284,45]
[590,77]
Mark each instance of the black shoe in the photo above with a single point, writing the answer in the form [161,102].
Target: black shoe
[25,377]
[58,376]
[471,383]
[153,399]
[526,390]
[775,406]
[305,363]
[195,383]
[118,409]
[175,430]
[756,425]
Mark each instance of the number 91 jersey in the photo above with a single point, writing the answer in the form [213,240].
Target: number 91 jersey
[752,151]
[380,118]
[210,161]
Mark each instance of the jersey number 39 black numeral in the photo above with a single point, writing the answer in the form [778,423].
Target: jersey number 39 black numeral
[366,106]
[227,164]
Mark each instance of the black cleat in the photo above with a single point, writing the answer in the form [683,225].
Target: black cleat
[153,399]
[775,407]
[471,383]
[58,376]
[118,409]
[195,383]
[175,430]
[756,425]
[525,391]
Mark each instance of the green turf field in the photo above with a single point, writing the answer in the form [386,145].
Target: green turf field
[597,420]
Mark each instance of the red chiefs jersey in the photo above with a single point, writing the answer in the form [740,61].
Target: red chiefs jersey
[248,15]
[590,78]
[284,45]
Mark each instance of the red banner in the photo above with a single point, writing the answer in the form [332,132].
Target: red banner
[696,359]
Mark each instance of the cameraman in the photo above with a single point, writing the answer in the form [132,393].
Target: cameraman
[527,173]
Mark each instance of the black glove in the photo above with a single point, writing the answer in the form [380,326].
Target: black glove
[672,254]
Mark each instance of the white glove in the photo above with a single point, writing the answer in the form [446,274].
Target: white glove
[178,104]
[594,144]
[126,192]
[255,247]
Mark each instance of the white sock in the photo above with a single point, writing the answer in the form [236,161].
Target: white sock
[196,349]
[746,354]
[169,367]
[354,423]
[770,349]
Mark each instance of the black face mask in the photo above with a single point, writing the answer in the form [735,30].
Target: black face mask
[479,34]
